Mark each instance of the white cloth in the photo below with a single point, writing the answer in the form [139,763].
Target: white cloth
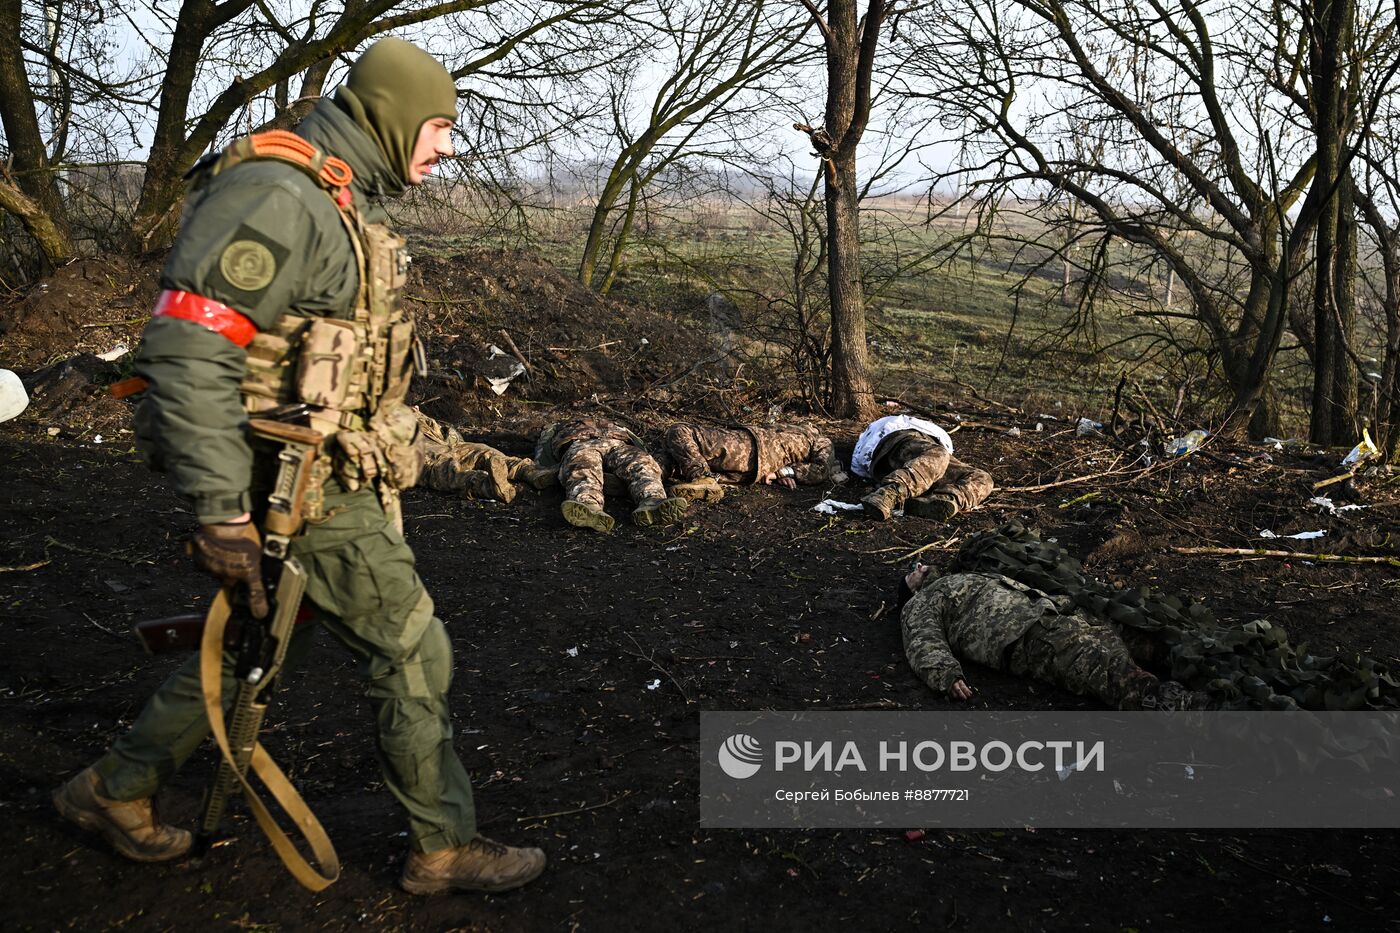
[871,437]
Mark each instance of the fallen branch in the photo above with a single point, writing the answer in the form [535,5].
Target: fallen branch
[1333,480]
[510,344]
[1300,555]
[933,546]
[1069,482]
[596,806]
[23,567]
[602,346]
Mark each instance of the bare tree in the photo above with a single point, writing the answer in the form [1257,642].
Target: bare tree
[1207,162]
[851,41]
[711,67]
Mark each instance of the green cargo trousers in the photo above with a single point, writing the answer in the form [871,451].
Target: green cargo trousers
[362,583]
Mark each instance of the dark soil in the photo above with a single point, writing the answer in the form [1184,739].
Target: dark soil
[754,603]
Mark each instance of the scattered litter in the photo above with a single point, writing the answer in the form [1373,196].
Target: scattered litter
[97,439]
[1188,442]
[1273,442]
[913,835]
[116,586]
[1366,450]
[644,342]
[1048,417]
[891,404]
[114,354]
[1087,427]
[1300,536]
[498,378]
[830,506]
[1117,788]
[571,652]
[1328,506]
[53,432]
[654,684]
[1014,432]
[1190,773]
[1039,426]
[1374,376]
[13,398]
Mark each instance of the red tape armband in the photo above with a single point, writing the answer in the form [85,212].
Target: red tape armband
[207,313]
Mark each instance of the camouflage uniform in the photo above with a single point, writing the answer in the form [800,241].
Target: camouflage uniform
[749,453]
[475,471]
[586,447]
[918,465]
[1005,625]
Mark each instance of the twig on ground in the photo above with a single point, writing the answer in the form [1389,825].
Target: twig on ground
[510,345]
[650,658]
[602,346]
[20,568]
[102,627]
[1300,555]
[933,546]
[129,321]
[596,806]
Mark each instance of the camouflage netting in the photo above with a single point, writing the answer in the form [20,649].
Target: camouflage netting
[1250,666]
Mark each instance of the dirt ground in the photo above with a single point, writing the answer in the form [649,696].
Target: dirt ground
[754,603]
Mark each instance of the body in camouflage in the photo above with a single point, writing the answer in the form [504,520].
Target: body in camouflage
[748,454]
[587,447]
[472,470]
[1005,625]
[918,465]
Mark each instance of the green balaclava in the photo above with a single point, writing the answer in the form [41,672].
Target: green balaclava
[392,90]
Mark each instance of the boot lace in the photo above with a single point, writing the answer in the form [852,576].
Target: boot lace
[490,846]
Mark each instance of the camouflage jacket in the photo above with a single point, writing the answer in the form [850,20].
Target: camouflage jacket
[555,439]
[191,421]
[971,615]
[748,454]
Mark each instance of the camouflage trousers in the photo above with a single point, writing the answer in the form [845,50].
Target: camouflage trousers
[1082,657]
[465,468]
[585,461]
[919,465]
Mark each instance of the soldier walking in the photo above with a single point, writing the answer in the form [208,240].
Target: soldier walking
[282,290]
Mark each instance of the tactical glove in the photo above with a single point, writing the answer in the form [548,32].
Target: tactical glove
[233,554]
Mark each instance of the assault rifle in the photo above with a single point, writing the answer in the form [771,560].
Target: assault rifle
[258,647]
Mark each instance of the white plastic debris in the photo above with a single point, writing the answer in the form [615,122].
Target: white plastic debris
[1040,426]
[13,398]
[1014,432]
[1187,442]
[97,439]
[114,354]
[1088,426]
[1366,450]
[1300,536]
[1330,507]
[571,652]
[830,506]
[654,684]
[1190,773]
[1273,442]
[499,384]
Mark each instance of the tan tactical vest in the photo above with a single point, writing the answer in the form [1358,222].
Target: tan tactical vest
[354,374]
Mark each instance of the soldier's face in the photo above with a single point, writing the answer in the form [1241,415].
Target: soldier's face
[434,143]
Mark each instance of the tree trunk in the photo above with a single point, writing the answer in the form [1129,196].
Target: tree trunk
[851,396]
[850,59]
[41,207]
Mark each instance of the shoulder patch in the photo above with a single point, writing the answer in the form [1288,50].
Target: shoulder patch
[248,265]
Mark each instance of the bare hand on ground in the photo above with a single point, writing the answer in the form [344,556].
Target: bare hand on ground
[960,690]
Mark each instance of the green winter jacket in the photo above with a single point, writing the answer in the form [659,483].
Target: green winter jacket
[191,423]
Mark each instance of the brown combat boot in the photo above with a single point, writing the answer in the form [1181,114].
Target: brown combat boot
[882,501]
[496,469]
[576,513]
[534,475]
[480,865]
[938,507]
[704,489]
[131,826]
[659,511]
